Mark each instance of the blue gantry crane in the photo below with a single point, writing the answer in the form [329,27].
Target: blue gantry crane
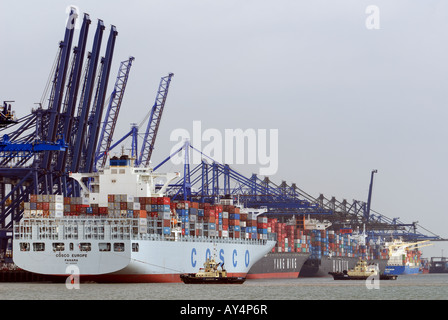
[112,112]
[154,118]
[154,122]
[34,159]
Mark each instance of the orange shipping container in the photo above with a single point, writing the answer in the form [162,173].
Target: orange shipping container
[142,213]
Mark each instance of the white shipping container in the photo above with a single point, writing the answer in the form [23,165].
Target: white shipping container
[263,219]
[57,205]
[58,213]
[136,206]
[164,215]
[142,221]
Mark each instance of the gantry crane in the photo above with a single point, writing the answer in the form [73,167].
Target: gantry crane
[154,122]
[38,133]
[113,110]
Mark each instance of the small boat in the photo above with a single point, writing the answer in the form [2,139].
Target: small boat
[213,272]
[362,271]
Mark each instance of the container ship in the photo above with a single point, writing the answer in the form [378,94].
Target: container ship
[307,248]
[438,265]
[123,229]
[404,257]
[339,250]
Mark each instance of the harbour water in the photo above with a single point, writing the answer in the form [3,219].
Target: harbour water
[406,287]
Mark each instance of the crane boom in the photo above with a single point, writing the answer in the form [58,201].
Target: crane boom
[154,121]
[113,110]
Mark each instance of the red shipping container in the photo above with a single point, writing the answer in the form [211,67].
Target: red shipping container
[234,222]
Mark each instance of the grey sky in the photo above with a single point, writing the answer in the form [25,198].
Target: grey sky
[345,99]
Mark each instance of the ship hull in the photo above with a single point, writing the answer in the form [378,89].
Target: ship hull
[399,270]
[192,279]
[164,261]
[344,276]
[314,267]
[286,265]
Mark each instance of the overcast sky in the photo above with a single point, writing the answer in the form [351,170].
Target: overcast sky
[345,99]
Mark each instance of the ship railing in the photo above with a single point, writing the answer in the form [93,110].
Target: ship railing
[93,227]
[73,228]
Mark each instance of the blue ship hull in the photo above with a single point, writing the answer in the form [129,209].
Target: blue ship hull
[397,270]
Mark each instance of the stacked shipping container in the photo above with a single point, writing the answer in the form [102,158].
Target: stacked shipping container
[159,215]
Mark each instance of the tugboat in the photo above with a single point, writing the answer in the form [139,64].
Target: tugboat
[362,271]
[213,272]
